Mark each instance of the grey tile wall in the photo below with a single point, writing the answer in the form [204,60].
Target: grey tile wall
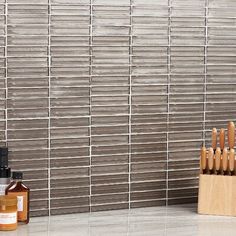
[104,104]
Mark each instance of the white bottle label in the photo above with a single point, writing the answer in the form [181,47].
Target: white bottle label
[8,218]
[2,188]
[20,203]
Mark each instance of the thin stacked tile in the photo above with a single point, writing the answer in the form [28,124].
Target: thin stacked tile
[69,106]
[221,64]
[27,97]
[3,87]
[149,76]
[186,97]
[110,104]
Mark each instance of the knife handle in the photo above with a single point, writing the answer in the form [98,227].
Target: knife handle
[231,134]
[217,160]
[211,160]
[222,138]
[224,161]
[231,161]
[203,160]
[214,138]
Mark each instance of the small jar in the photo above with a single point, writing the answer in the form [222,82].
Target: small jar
[8,213]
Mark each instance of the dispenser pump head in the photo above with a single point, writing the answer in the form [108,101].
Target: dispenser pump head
[3,157]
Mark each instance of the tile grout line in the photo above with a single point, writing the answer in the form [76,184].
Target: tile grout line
[205,74]
[130,99]
[49,105]
[90,102]
[6,74]
[168,99]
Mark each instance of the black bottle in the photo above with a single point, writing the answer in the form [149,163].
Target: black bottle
[5,171]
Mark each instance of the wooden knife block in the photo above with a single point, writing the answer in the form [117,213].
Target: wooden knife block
[217,195]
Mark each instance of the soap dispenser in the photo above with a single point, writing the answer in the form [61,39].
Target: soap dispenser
[5,171]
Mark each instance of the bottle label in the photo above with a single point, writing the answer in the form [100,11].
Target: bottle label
[20,203]
[3,188]
[8,218]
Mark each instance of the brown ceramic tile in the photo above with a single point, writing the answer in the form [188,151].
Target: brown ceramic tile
[182,200]
[69,152]
[69,102]
[109,189]
[61,181]
[102,130]
[28,134]
[69,172]
[69,142]
[183,165]
[153,147]
[27,124]
[28,145]
[148,186]
[26,153]
[20,103]
[74,192]
[149,203]
[69,111]
[179,174]
[27,113]
[36,174]
[188,192]
[110,159]
[148,157]
[68,162]
[109,198]
[110,150]
[109,207]
[39,194]
[149,195]
[110,179]
[69,122]
[70,202]
[71,210]
[37,184]
[110,120]
[71,132]
[186,155]
[38,204]
[2,125]
[44,212]
[160,175]
[109,169]
[183,183]
[28,164]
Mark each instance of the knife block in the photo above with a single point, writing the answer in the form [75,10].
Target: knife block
[217,195]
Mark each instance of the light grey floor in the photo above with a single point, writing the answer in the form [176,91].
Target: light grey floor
[178,220]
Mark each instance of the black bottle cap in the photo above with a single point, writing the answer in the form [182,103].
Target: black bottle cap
[17,175]
[3,157]
[5,172]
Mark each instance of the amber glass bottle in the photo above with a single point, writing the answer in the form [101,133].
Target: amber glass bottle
[18,189]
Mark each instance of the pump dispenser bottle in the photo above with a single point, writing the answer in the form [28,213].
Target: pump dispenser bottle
[5,171]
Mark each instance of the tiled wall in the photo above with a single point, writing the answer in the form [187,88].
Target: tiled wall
[104,104]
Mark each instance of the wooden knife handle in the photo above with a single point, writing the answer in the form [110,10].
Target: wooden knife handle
[203,161]
[214,138]
[222,138]
[225,160]
[231,160]
[211,160]
[217,159]
[231,134]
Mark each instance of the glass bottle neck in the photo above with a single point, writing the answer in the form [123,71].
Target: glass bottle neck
[17,180]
